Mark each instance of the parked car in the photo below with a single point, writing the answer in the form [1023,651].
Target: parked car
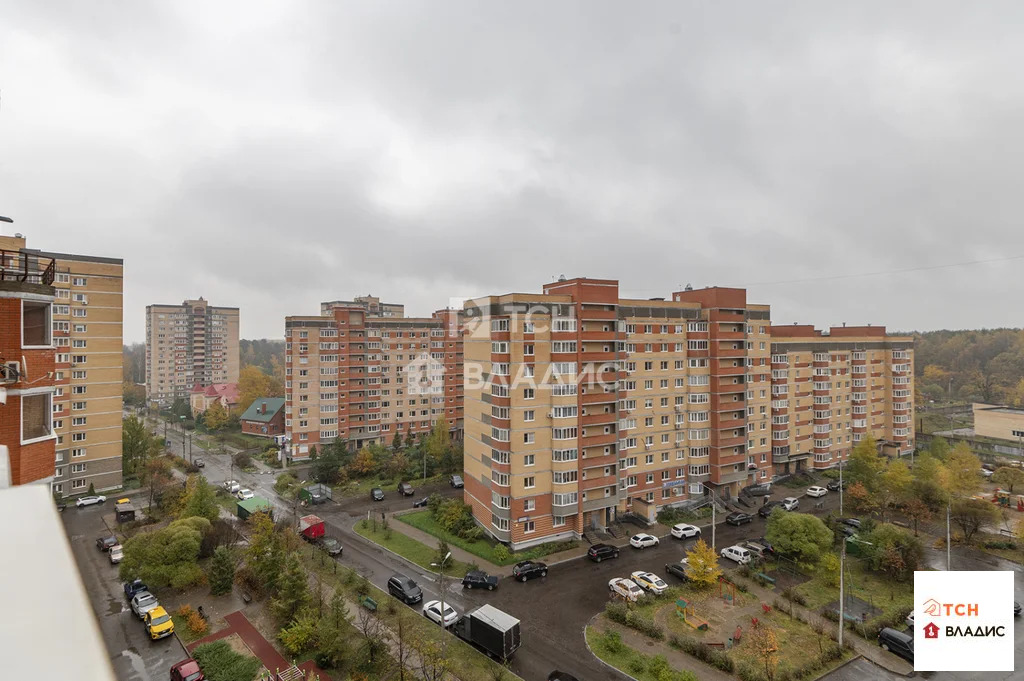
[767,509]
[187,670]
[106,543]
[143,602]
[626,588]
[765,543]
[89,501]
[987,473]
[833,486]
[816,491]
[738,518]
[642,541]
[599,552]
[421,503]
[478,579]
[755,548]
[331,545]
[683,531]
[529,569]
[1016,609]
[737,553]
[377,494]
[158,623]
[232,486]
[116,554]
[680,570]
[432,611]
[561,676]
[198,462]
[455,481]
[910,620]
[133,587]
[847,530]
[404,589]
[244,493]
[897,642]
[405,489]
[852,522]
[790,503]
[648,581]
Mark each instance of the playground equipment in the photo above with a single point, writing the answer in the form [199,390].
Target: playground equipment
[687,614]
[726,591]
[1007,500]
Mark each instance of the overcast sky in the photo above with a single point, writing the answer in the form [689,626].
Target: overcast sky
[270,155]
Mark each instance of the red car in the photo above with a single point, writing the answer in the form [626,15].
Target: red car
[187,670]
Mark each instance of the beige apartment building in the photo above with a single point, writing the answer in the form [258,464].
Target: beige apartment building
[354,376]
[580,405]
[830,390]
[191,344]
[999,421]
[87,317]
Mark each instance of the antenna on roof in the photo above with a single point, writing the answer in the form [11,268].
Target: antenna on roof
[561,277]
[688,287]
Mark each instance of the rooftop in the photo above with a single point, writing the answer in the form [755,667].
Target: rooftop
[257,412]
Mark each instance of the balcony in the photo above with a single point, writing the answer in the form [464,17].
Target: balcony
[595,439]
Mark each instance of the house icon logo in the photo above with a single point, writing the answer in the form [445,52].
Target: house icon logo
[932,608]
[931,630]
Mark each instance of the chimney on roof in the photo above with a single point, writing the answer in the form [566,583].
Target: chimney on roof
[263,408]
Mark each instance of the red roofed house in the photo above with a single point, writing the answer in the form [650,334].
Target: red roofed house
[201,398]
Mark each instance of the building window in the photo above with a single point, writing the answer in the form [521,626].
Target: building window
[36,417]
[529,460]
[78,484]
[78,468]
[528,438]
[78,281]
[529,527]
[558,521]
[36,325]
[529,482]
[530,505]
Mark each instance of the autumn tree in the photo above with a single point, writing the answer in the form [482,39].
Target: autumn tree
[863,501]
[1008,477]
[253,384]
[962,471]
[893,485]
[865,466]
[137,446]
[704,568]
[765,646]
[363,463]
[168,556]
[971,515]
[439,441]
[200,499]
[918,511]
[803,536]
[215,418]
[893,551]
[396,442]
[157,477]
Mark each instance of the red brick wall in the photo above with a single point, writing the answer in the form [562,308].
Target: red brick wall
[274,427]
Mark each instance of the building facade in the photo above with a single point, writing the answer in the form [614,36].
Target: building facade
[360,378]
[27,368]
[999,421]
[202,398]
[580,405]
[87,319]
[264,417]
[191,344]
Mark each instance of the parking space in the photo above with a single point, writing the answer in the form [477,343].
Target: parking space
[133,655]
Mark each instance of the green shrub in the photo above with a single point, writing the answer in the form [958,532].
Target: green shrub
[612,642]
[501,553]
[220,663]
[749,671]
[636,665]
[645,625]
[616,611]
[716,658]
[791,594]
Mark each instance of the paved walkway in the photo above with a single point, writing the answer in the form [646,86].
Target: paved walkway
[239,624]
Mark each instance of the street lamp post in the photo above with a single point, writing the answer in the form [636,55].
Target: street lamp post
[841,488]
[440,579]
[842,584]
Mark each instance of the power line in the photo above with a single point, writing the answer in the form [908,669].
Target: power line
[885,272]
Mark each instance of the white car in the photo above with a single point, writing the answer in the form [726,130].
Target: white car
[89,501]
[626,588]
[232,486]
[910,619]
[116,554]
[816,491]
[642,541]
[244,494]
[738,554]
[143,602]
[682,531]
[790,503]
[432,611]
[648,581]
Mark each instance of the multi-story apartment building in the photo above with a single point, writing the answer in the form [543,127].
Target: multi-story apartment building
[27,439]
[353,376]
[580,405]
[371,304]
[191,344]
[830,390]
[86,320]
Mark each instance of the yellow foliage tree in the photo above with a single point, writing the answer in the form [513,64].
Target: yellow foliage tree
[252,385]
[216,417]
[961,474]
[765,645]
[363,463]
[704,568]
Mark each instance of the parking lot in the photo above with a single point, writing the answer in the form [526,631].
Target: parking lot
[133,655]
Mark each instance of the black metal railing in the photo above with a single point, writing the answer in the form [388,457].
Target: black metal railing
[26,268]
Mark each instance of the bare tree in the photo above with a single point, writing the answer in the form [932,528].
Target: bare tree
[375,634]
[434,662]
[402,629]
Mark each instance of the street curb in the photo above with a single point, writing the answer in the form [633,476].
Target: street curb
[596,657]
[384,548]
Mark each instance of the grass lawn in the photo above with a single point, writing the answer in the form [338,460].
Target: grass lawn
[483,547]
[182,630]
[227,501]
[626,659]
[798,643]
[389,485]
[409,548]
[1015,555]
[887,595]
[466,662]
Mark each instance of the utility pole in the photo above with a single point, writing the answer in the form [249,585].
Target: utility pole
[949,505]
[440,579]
[842,600]
[841,493]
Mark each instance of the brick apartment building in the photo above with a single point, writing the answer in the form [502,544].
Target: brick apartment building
[580,405]
[360,372]
[86,320]
[191,344]
[27,439]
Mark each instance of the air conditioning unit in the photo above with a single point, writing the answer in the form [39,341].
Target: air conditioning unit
[648,446]
[551,414]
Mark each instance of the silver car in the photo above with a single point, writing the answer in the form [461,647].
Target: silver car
[143,602]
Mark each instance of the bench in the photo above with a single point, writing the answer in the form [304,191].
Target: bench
[246,598]
[770,580]
[715,644]
[1006,533]
[368,603]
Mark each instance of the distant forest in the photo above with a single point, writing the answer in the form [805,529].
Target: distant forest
[266,354]
[983,366]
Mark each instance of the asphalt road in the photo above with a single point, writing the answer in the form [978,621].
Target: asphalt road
[133,655]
